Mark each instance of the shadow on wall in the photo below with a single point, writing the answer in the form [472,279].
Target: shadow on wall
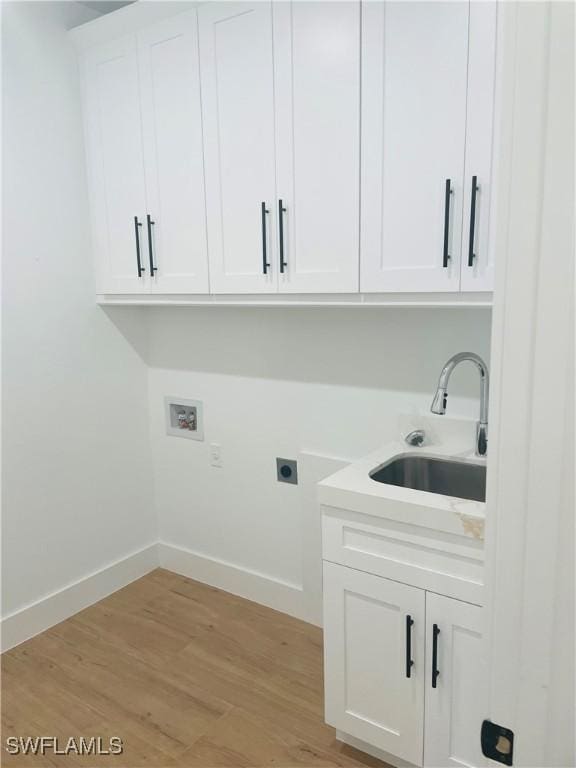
[391,348]
[132,322]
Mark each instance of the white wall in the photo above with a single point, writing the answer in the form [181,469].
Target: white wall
[77,489]
[275,382]
[278,382]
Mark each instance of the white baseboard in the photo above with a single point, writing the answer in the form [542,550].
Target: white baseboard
[266,590]
[58,606]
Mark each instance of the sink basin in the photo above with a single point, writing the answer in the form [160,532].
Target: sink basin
[426,473]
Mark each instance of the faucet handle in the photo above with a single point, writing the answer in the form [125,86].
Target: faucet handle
[416,437]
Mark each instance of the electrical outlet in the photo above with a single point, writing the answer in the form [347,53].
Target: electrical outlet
[287,471]
[215,454]
[184,418]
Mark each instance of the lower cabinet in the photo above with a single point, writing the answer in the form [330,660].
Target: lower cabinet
[402,668]
[373,629]
[455,705]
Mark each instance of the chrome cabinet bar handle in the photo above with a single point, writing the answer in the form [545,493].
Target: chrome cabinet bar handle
[149,223]
[265,264]
[435,670]
[409,662]
[281,212]
[471,254]
[137,224]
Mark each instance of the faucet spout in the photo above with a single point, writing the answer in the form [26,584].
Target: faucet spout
[441,397]
[439,403]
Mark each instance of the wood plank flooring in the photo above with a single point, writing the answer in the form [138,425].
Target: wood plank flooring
[184,674]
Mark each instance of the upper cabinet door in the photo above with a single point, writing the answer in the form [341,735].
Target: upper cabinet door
[317,70]
[116,166]
[455,707]
[176,249]
[238,108]
[368,644]
[477,233]
[413,140]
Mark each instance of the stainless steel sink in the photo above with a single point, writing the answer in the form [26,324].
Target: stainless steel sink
[426,473]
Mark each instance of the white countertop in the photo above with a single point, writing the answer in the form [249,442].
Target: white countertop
[353,489]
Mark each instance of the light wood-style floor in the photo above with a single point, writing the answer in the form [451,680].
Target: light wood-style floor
[184,674]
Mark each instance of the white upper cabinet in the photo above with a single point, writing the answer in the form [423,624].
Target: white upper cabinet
[306,147]
[116,166]
[145,168]
[238,108]
[427,111]
[281,104]
[414,127]
[477,232]
[317,87]
[172,134]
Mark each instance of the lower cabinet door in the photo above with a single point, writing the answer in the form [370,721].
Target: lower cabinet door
[373,629]
[455,695]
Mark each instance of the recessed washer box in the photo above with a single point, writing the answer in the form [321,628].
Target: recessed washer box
[184,418]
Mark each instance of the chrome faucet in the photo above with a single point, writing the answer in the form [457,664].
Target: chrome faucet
[441,396]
